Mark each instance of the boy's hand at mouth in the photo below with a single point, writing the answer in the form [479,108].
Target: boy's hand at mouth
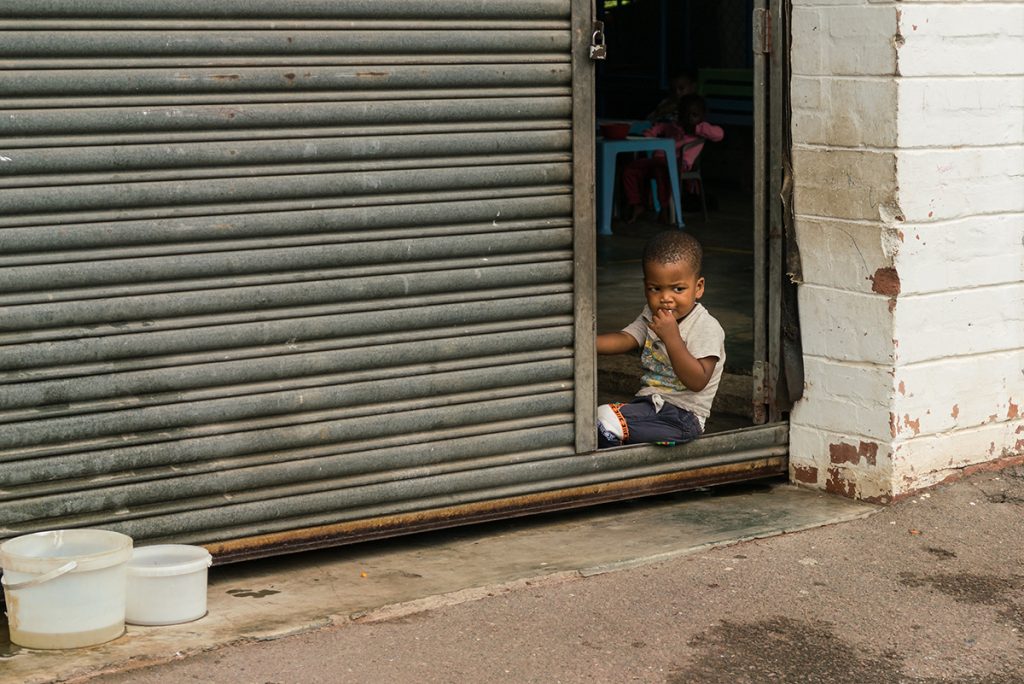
[664,324]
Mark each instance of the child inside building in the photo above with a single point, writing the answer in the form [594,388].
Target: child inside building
[689,130]
[682,351]
[680,85]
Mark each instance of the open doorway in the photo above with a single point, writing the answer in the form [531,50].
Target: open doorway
[649,43]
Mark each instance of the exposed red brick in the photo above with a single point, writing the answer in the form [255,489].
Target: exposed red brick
[868,451]
[892,304]
[842,453]
[847,453]
[902,388]
[835,484]
[894,424]
[880,499]
[914,425]
[984,467]
[1013,411]
[886,281]
[806,474]
[956,410]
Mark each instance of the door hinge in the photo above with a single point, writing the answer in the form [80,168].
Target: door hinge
[762,30]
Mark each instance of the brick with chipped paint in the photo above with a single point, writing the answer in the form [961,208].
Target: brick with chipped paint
[965,253]
[960,392]
[809,448]
[928,459]
[839,483]
[844,452]
[842,254]
[804,474]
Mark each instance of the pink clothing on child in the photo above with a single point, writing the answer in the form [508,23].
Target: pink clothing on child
[638,172]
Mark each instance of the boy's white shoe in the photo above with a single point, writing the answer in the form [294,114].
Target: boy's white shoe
[609,420]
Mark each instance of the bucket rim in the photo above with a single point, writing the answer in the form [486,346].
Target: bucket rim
[11,560]
[194,559]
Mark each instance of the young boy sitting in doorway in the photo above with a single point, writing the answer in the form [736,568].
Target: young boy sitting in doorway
[683,351]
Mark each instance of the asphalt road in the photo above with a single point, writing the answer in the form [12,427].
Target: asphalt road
[929,590]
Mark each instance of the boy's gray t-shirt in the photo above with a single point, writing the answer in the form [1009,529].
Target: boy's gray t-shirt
[703,336]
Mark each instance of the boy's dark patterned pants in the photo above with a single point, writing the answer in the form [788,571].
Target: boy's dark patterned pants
[640,421]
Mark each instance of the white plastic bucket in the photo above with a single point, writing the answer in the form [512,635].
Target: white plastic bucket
[167,584]
[65,588]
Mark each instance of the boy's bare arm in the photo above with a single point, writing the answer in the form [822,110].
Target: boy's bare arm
[693,372]
[616,343]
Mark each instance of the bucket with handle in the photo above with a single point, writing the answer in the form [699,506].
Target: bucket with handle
[65,588]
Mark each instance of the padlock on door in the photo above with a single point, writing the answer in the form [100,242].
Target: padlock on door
[597,46]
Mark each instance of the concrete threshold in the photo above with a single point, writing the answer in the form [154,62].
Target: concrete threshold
[374,581]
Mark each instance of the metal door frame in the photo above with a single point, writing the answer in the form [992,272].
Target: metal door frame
[772,190]
[772,202]
[585,249]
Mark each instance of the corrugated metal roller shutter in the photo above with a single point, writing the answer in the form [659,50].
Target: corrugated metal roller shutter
[268,262]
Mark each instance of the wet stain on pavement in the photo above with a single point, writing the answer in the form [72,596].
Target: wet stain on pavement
[781,649]
[988,590]
[940,553]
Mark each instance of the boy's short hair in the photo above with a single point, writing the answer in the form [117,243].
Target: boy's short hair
[670,246]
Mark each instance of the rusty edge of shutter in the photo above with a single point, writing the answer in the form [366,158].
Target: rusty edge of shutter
[723,463]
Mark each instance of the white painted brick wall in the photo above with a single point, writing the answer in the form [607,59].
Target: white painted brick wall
[846,397]
[961,39]
[961,111]
[971,322]
[962,181]
[846,326]
[908,130]
[962,253]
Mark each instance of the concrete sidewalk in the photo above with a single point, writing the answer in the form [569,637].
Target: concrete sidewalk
[927,590]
